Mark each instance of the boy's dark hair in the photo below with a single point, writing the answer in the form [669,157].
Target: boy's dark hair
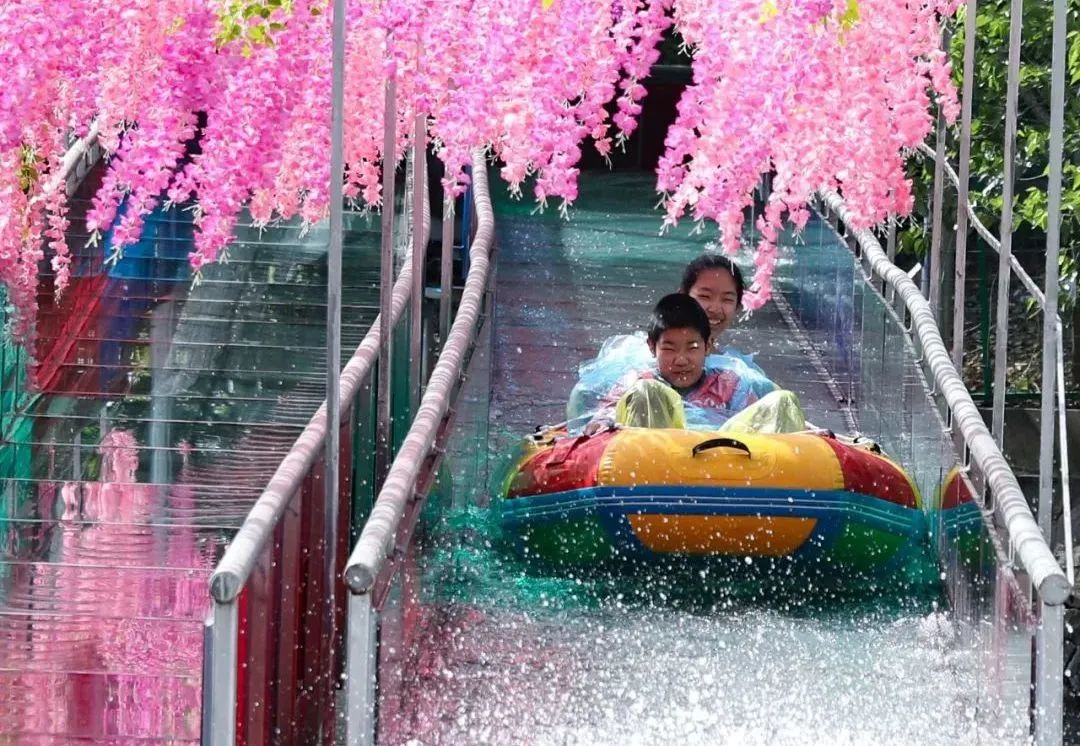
[678,311]
[712,261]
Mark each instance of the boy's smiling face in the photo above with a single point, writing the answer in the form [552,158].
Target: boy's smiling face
[680,356]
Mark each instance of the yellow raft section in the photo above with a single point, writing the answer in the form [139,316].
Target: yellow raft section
[666,457]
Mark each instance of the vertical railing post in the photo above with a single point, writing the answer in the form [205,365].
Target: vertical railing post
[361,671]
[1001,351]
[386,286]
[225,634]
[890,252]
[1049,668]
[960,274]
[416,340]
[446,268]
[937,211]
[1050,289]
[208,680]
[466,224]
[332,454]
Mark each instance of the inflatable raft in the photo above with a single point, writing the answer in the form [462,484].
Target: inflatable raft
[643,494]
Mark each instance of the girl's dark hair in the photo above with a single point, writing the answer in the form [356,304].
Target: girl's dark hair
[678,311]
[712,261]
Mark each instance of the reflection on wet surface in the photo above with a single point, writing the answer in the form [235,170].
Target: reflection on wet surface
[163,409]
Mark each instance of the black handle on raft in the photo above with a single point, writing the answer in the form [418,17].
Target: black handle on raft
[706,445]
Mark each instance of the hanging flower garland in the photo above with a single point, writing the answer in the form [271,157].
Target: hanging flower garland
[824,94]
[821,93]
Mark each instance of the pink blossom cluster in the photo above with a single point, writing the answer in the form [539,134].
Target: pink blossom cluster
[823,93]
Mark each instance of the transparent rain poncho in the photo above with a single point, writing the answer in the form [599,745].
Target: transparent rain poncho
[778,412]
[653,404]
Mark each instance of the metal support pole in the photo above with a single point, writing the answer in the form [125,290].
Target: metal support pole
[1016,24]
[1050,289]
[937,212]
[960,284]
[1049,665]
[416,343]
[206,731]
[926,269]
[890,252]
[386,286]
[332,459]
[362,667]
[446,268]
[223,674]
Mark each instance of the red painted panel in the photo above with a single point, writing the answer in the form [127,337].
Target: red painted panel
[62,323]
[242,650]
[261,651]
[289,619]
[309,699]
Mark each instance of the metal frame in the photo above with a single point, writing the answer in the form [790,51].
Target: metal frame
[384,411]
[361,666]
[962,189]
[419,254]
[1025,538]
[377,540]
[1026,542]
[937,211]
[332,451]
[236,566]
[1053,364]
[1001,338]
[1049,663]
[220,721]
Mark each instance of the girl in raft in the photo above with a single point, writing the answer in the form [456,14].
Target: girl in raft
[680,388]
[716,283]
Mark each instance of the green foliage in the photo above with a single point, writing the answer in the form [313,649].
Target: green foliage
[29,168]
[1032,135]
[251,23]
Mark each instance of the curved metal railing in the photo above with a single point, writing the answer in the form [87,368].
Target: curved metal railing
[1025,537]
[376,545]
[1039,297]
[235,569]
[377,537]
[236,565]
[1024,534]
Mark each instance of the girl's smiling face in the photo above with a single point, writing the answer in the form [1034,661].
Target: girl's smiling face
[717,293]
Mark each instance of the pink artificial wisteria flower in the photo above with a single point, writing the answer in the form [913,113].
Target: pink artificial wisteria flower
[529,80]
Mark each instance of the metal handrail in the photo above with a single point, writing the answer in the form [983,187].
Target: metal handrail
[80,148]
[238,562]
[1025,537]
[376,540]
[1040,300]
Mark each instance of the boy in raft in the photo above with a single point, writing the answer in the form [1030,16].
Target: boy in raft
[681,389]
[717,284]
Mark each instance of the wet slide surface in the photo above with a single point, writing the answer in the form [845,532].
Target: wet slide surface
[480,649]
